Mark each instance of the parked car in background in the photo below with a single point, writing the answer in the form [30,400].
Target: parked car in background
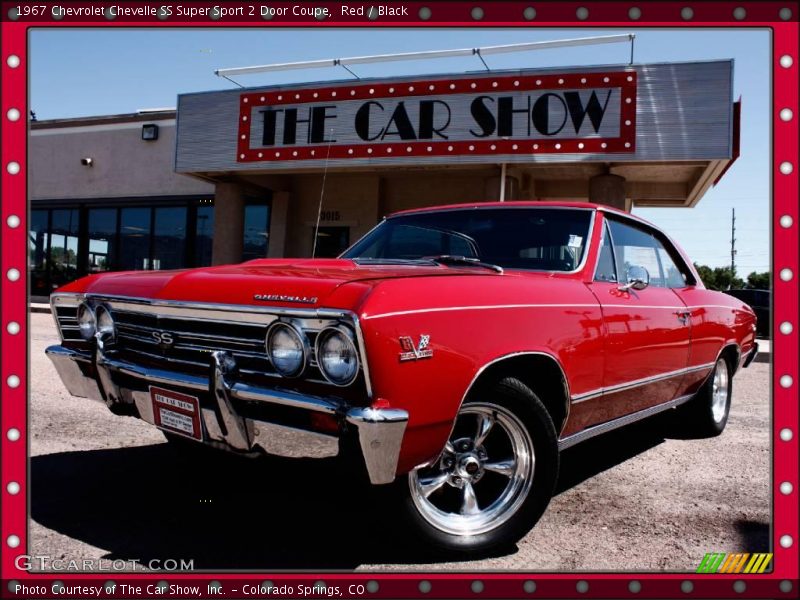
[760,301]
[453,352]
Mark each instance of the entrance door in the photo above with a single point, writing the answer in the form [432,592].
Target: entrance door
[331,241]
[647,331]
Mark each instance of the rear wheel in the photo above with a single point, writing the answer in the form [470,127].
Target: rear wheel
[495,476]
[707,413]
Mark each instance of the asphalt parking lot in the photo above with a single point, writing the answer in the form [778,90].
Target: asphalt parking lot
[640,498]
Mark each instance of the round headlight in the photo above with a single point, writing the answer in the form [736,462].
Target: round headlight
[286,349]
[105,322]
[86,321]
[337,356]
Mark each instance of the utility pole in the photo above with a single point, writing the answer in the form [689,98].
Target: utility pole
[733,243]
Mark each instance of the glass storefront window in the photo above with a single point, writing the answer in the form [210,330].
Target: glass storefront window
[64,229]
[256,231]
[134,233]
[169,243]
[38,238]
[102,240]
[204,236]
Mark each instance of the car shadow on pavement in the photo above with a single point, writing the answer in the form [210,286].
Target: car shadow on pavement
[224,511]
[603,452]
[228,512]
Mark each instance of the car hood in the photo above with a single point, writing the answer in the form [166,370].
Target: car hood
[297,283]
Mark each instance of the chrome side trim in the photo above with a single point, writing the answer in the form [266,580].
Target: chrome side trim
[638,382]
[596,430]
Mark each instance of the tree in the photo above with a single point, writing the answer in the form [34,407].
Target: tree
[720,278]
[759,281]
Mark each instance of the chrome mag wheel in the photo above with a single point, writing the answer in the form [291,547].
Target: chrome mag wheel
[483,476]
[719,391]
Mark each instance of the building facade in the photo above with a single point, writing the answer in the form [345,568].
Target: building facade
[308,169]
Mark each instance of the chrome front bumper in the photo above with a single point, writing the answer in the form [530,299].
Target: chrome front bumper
[102,377]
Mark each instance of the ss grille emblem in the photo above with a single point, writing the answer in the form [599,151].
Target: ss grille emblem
[163,338]
[413,351]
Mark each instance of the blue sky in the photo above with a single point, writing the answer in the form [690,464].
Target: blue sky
[77,72]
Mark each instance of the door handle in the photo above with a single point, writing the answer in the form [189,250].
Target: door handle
[683,315]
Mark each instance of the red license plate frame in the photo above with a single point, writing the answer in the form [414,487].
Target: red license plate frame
[176,412]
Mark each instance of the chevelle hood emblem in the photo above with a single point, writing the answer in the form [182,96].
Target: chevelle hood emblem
[285,298]
[415,352]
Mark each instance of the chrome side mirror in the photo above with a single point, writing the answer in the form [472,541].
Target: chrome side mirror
[637,278]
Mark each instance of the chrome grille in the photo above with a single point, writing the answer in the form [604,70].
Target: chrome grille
[197,330]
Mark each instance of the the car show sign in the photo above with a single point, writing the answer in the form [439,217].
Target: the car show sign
[520,114]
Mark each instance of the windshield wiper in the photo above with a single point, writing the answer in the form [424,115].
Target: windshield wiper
[449,259]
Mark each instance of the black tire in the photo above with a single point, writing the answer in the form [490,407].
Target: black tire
[511,406]
[702,416]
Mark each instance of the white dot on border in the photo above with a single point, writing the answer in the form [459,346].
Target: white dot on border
[13,274]
[604,145]
[580,145]
[786,488]
[13,381]
[687,13]
[558,146]
[786,328]
[514,146]
[687,587]
[12,328]
[449,148]
[786,114]
[786,221]
[634,587]
[12,488]
[13,61]
[12,541]
[12,221]
[493,147]
[786,541]
[13,167]
[786,381]
[786,61]
[786,167]
[471,148]
[786,274]
[786,434]
[13,114]
[13,434]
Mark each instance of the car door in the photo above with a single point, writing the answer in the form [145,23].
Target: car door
[647,331]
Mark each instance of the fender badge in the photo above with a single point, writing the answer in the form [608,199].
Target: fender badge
[415,352]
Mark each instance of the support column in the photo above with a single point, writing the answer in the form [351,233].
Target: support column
[278,221]
[608,190]
[228,243]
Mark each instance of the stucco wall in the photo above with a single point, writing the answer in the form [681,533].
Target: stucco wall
[354,197]
[123,164]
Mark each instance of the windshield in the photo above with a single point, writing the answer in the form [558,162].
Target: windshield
[542,239]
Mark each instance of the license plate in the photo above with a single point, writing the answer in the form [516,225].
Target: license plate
[176,412]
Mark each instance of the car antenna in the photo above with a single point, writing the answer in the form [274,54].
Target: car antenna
[321,195]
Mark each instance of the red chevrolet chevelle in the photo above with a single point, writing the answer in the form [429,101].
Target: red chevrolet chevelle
[454,351]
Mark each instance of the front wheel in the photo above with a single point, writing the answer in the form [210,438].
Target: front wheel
[494,478]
